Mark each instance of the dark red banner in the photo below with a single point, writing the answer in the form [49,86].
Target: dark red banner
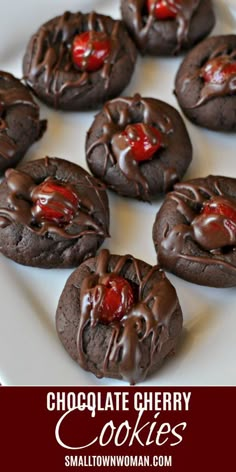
[65,429]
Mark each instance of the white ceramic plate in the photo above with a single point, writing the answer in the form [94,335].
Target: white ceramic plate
[30,352]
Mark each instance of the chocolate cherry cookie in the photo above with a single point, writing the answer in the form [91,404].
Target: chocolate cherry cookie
[20,125]
[139,147]
[119,317]
[78,61]
[167,27]
[205,84]
[52,214]
[195,231]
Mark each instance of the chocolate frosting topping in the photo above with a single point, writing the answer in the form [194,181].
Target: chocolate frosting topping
[149,317]
[210,90]
[143,22]
[119,113]
[199,227]
[12,94]
[51,58]
[24,192]
[214,231]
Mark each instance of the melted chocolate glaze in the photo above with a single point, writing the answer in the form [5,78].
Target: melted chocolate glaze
[211,90]
[117,151]
[216,231]
[150,316]
[12,94]
[50,51]
[190,199]
[23,191]
[8,146]
[144,22]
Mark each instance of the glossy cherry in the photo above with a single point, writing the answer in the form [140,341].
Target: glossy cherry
[215,226]
[117,299]
[54,201]
[218,70]
[163,9]
[221,207]
[90,49]
[143,140]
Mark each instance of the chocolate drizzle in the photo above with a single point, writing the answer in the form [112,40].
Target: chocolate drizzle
[211,90]
[120,113]
[144,22]
[24,191]
[8,146]
[190,199]
[92,37]
[149,317]
[12,94]
[51,58]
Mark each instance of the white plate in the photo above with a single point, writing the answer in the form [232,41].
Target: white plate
[30,352]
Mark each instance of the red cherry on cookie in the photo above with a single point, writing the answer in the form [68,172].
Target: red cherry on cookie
[54,201]
[218,70]
[90,49]
[215,226]
[221,207]
[163,9]
[143,140]
[117,299]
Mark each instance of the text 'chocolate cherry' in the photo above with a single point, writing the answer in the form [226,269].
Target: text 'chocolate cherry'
[163,9]
[54,201]
[143,140]
[117,299]
[215,227]
[90,49]
[218,70]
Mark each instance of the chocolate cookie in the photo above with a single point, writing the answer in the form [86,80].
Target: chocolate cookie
[52,214]
[78,61]
[195,231]
[138,146]
[20,125]
[119,317]
[205,84]
[167,27]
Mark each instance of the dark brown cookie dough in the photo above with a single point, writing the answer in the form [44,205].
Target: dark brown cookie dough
[50,72]
[135,345]
[20,125]
[195,231]
[52,214]
[193,21]
[110,158]
[205,84]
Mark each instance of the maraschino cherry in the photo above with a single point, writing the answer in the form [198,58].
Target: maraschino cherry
[218,70]
[90,49]
[54,201]
[144,140]
[215,226]
[163,9]
[117,299]
[221,207]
